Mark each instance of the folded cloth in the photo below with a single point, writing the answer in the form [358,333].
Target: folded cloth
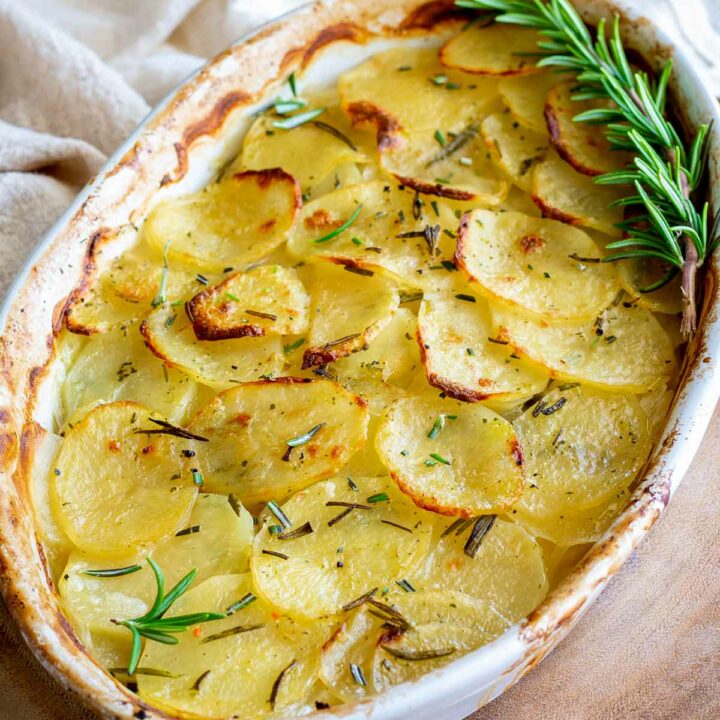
[76,76]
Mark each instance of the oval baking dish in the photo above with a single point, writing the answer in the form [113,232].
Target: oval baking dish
[177,150]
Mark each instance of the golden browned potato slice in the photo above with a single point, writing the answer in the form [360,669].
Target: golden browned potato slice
[116,365]
[231,223]
[492,50]
[382,233]
[513,148]
[525,95]
[582,145]
[581,446]
[270,438]
[331,560]
[506,570]
[409,89]
[170,335]
[110,478]
[223,671]
[625,348]
[534,264]
[265,300]
[446,624]
[348,312]
[564,194]
[454,166]
[463,358]
[310,152]
[217,540]
[424,444]
[639,274]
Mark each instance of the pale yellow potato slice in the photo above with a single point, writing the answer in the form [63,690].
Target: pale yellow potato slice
[656,405]
[625,348]
[637,274]
[520,201]
[348,311]
[581,446]
[249,426]
[513,148]
[231,223]
[371,242]
[217,540]
[532,263]
[526,95]
[561,560]
[170,335]
[446,624]
[409,89]
[582,145]
[232,675]
[564,194]
[494,49]
[265,300]
[424,444]
[116,365]
[461,357]
[310,152]
[507,571]
[455,166]
[372,551]
[115,488]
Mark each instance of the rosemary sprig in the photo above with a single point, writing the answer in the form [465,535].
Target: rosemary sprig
[666,221]
[153,626]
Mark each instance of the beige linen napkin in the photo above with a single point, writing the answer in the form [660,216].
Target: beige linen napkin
[76,76]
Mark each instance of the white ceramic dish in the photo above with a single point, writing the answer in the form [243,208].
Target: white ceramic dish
[177,149]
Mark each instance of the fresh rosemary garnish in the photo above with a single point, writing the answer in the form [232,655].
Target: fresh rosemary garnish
[304,529]
[243,602]
[280,555]
[405,585]
[167,429]
[296,120]
[197,477]
[153,626]
[358,676]
[340,341]
[199,681]
[341,503]
[416,655]
[666,221]
[113,572]
[465,297]
[388,614]
[588,260]
[439,425]
[278,680]
[359,270]
[397,525]
[457,526]
[238,630]
[189,530]
[438,459]
[378,497]
[292,82]
[335,133]
[274,508]
[290,347]
[305,437]
[481,528]
[285,107]
[339,230]
[150,672]
[359,601]
[459,141]
[258,313]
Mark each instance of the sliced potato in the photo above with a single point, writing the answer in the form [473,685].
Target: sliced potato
[409,89]
[525,95]
[446,624]
[348,312]
[581,446]
[564,194]
[372,242]
[656,404]
[115,488]
[561,560]
[507,571]
[639,274]
[625,348]
[265,300]
[233,675]
[249,427]
[433,466]
[371,549]
[582,145]
[309,152]
[455,167]
[461,358]
[116,365]
[231,223]
[520,201]
[513,148]
[170,335]
[216,541]
[533,264]
[492,50]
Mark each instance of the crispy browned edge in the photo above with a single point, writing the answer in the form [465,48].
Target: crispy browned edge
[25,358]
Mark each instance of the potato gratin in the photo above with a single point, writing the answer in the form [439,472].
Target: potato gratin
[367,396]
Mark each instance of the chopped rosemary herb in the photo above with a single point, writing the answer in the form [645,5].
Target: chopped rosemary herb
[575,256]
[441,139]
[151,672]
[359,600]
[275,529]
[568,386]
[389,614]
[167,429]
[342,503]
[397,525]
[435,207]
[359,270]
[189,530]
[232,296]
[285,107]
[292,82]
[379,497]
[358,676]
[466,298]
[339,230]
[356,241]
[257,313]
[287,349]
[481,528]
[457,526]
[305,437]
[417,206]
[439,425]
[296,120]
[340,341]
[352,484]
[410,297]
[197,477]
[278,680]
[340,516]
[554,407]
[235,504]
[274,508]
[439,458]
[161,296]
[415,655]
[498,341]
[439,79]
[280,555]
[113,572]
[199,681]
[336,133]
[459,141]
[243,602]
[303,530]
[230,632]
[405,585]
